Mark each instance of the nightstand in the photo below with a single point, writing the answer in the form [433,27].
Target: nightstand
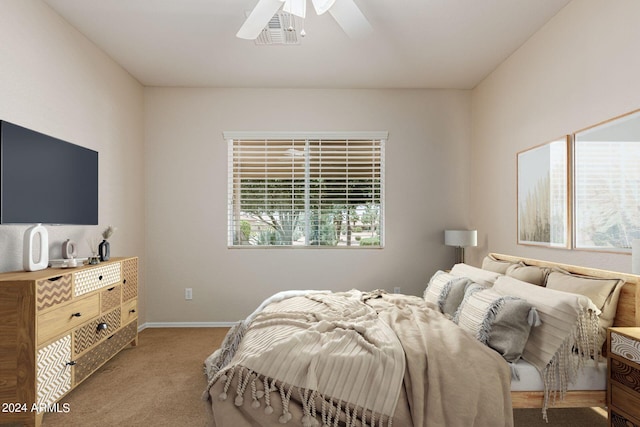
[623,379]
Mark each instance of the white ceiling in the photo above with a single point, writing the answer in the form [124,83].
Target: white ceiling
[415,43]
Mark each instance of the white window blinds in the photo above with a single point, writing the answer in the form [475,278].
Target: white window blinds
[306,190]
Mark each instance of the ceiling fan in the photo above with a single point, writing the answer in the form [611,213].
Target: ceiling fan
[345,12]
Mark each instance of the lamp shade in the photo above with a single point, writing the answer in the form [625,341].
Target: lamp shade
[461,238]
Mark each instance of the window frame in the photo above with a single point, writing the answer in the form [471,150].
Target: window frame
[231,136]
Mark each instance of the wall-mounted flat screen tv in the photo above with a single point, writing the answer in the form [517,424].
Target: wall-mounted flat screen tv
[46,180]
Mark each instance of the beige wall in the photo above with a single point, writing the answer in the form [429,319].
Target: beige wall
[53,80]
[163,169]
[427,161]
[582,68]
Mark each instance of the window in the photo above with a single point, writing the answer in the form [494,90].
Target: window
[607,185]
[302,190]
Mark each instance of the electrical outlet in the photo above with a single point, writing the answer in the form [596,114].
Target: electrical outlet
[188,293]
[396,290]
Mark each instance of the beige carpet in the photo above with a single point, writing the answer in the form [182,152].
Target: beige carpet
[159,383]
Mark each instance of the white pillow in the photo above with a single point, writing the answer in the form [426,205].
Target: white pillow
[568,322]
[478,275]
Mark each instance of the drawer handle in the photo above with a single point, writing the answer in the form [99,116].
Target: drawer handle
[76,314]
[71,363]
[133,310]
[110,289]
[102,327]
[54,279]
[124,281]
[100,277]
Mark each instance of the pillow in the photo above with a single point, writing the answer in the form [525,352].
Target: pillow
[568,323]
[498,321]
[603,292]
[446,291]
[478,275]
[528,273]
[498,266]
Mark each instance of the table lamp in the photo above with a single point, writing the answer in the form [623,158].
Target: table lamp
[460,239]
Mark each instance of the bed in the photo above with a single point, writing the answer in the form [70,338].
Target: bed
[319,358]
[627,314]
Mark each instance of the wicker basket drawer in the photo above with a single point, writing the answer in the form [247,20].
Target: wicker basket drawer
[95,278]
[89,334]
[110,298]
[52,291]
[53,371]
[98,355]
[67,317]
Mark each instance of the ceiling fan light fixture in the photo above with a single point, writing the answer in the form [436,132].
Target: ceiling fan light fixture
[321,6]
[296,7]
[281,30]
[345,12]
[259,18]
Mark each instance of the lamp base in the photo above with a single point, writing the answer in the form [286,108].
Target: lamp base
[459,254]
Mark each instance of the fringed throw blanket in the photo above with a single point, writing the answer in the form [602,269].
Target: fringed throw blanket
[336,360]
[328,345]
[566,338]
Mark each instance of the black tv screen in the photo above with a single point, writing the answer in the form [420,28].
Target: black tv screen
[46,180]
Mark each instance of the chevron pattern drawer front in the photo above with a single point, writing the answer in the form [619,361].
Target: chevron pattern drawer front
[96,278]
[130,279]
[53,373]
[110,298]
[87,335]
[52,291]
[95,357]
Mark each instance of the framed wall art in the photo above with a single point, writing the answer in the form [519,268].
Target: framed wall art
[606,182]
[544,195]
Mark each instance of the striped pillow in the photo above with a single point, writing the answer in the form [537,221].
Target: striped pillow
[446,291]
[498,321]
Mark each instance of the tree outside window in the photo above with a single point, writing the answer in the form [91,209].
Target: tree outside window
[306,192]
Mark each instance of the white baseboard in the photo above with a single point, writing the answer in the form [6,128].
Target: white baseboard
[185,325]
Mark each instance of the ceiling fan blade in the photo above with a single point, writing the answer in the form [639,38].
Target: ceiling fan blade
[321,6]
[296,7]
[259,18]
[350,18]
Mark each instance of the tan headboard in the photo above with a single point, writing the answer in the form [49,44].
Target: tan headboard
[628,313]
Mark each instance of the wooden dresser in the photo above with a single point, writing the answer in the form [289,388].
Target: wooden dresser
[623,381]
[57,326]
